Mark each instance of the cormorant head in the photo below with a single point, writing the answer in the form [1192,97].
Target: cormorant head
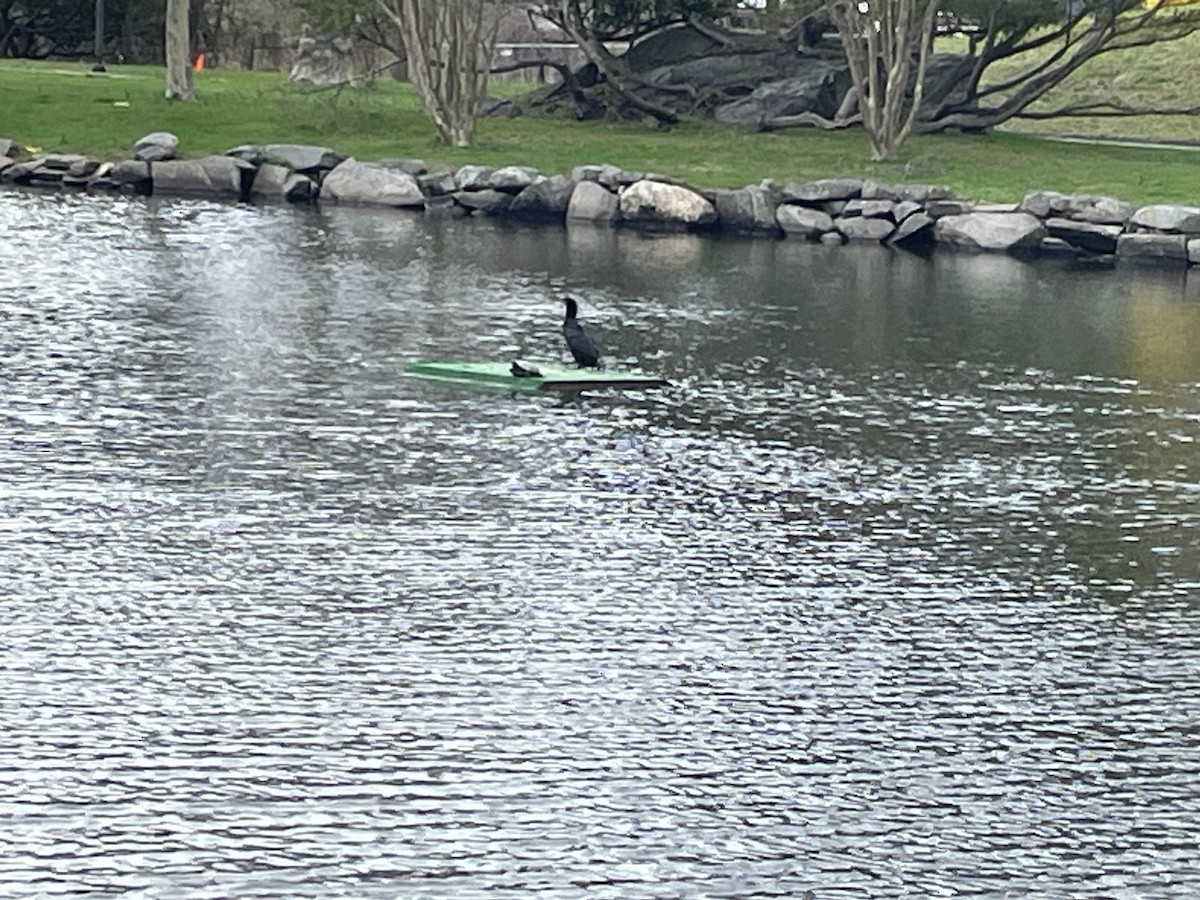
[572,307]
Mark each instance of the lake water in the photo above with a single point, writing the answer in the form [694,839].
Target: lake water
[895,592]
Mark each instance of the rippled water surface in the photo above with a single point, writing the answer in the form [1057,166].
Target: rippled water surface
[896,592]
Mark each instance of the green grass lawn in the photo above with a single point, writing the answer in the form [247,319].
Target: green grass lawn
[61,106]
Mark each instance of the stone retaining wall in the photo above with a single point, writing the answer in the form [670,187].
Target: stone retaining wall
[1099,230]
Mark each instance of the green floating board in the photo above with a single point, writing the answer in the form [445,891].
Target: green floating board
[553,378]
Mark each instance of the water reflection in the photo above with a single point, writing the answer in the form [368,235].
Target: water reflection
[893,594]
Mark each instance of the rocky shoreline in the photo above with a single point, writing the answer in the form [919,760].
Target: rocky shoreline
[1091,229]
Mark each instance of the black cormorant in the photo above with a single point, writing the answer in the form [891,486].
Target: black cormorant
[579,342]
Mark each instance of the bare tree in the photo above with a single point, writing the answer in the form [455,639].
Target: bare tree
[1050,51]
[887,44]
[179,51]
[449,45]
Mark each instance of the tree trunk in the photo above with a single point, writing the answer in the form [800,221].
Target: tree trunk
[884,41]
[178,51]
[449,45]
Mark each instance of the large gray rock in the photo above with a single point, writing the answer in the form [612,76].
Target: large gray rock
[212,176]
[1081,207]
[801,221]
[916,228]
[489,202]
[1044,204]
[818,90]
[822,190]
[129,176]
[306,159]
[917,193]
[939,208]
[473,178]
[1085,235]
[654,204]
[275,183]
[512,179]
[158,146]
[1193,251]
[859,228]
[747,210]
[1153,249]
[1010,232]
[5,163]
[48,170]
[611,177]
[592,202]
[871,209]
[1165,217]
[356,184]
[547,199]
[904,209]
[437,184]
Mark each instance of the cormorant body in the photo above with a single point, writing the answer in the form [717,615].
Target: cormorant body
[579,342]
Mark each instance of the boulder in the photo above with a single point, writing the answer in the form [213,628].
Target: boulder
[877,190]
[1082,207]
[904,209]
[603,174]
[211,176]
[512,179]
[437,184]
[822,190]
[1085,235]
[547,199]
[747,210]
[473,178]
[818,90]
[916,228]
[859,228]
[20,172]
[158,146]
[5,163]
[918,193]
[870,209]
[1168,218]
[80,173]
[1099,210]
[275,183]
[1010,232]
[48,170]
[1155,249]
[1053,246]
[489,202]
[1044,204]
[129,176]
[654,204]
[939,208]
[1193,251]
[802,221]
[592,202]
[306,159]
[356,184]
[299,189]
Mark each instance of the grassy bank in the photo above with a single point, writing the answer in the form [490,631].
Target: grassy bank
[62,107]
